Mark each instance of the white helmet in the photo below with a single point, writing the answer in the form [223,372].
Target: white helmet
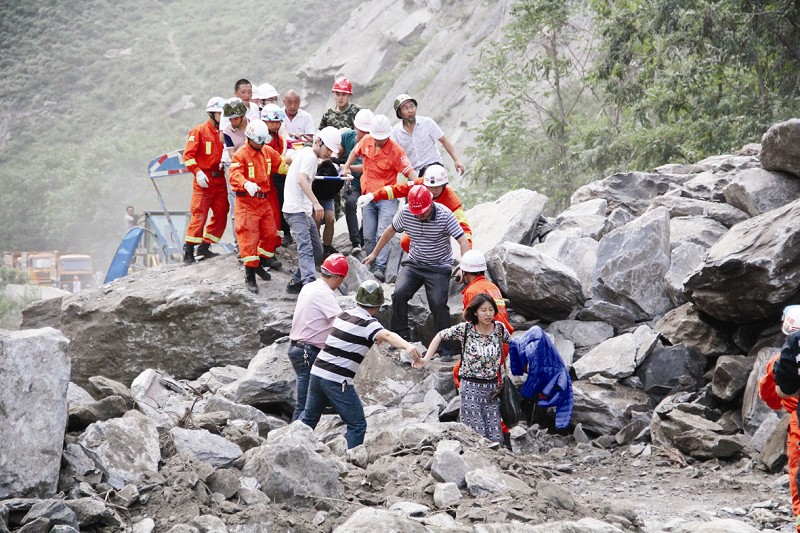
[332,138]
[435,175]
[363,120]
[791,319]
[265,91]
[215,105]
[380,128]
[473,261]
[272,113]
[257,132]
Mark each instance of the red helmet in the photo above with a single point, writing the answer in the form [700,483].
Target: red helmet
[419,199]
[336,265]
[342,85]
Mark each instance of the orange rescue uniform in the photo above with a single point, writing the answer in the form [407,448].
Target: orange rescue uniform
[255,223]
[448,198]
[277,143]
[381,165]
[766,389]
[204,152]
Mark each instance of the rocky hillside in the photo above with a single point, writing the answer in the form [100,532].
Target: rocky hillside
[161,399]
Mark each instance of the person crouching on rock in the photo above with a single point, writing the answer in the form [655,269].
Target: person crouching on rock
[332,374]
[483,339]
[251,167]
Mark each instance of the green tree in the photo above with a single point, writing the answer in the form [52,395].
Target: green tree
[537,75]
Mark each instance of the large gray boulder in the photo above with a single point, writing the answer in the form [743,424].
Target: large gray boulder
[207,447]
[575,251]
[684,260]
[537,285]
[681,206]
[633,190]
[34,378]
[269,379]
[700,230]
[780,147]
[180,320]
[754,410]
[617,357]
[671,368]
[753,271]
[125,449]
[511,218]
[684,325]
[606,410]
[756,191]
[632,263]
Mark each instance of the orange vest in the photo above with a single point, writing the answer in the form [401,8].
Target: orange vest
[203,148]
[248,164]
[482,285]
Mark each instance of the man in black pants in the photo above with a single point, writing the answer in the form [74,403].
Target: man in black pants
[430,226]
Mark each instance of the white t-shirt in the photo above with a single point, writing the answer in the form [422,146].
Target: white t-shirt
[300,125]
[420,145]
[294,199]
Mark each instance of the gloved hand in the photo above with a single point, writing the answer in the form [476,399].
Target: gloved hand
[202,179]
[251,188]
[364,199]
[226,160]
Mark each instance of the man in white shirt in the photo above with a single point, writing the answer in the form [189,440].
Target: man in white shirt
[299,124]
[417,136]
[243,90]
[302,209]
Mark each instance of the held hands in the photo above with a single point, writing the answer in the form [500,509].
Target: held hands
[413,351]
[202,179]
[421,363]
[251,188]
[364,199]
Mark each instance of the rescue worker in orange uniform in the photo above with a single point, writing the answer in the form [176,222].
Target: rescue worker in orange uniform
[202,156]
[436,179]
[273,116]
[251,168]
[471,271]
[776,397]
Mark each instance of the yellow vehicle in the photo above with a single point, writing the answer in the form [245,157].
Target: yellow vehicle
[72,267]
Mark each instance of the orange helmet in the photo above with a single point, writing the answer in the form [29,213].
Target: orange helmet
[419,199]
[336,265]
[342,85]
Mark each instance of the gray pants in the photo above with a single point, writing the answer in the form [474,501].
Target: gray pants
[309,246]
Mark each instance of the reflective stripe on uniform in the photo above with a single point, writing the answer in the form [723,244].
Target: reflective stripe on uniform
[249,258]
[265,253]
[210,237]
[235,164]
[251,171]
[389,193]
[194,240]
[189,162]
[208,147]
[460,216]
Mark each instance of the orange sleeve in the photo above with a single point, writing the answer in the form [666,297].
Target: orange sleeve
[450,200]
[766,387]
[236,172]
[191,150]
[390,192]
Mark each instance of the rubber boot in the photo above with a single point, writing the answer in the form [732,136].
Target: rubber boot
[250,279]
[204,251]
[188,254]
[327,250]
[270,262]
[263,274]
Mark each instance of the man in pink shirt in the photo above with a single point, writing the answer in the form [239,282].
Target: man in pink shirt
[312,320]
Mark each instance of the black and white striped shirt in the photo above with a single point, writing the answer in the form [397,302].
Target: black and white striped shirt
[430,239]
[352,335]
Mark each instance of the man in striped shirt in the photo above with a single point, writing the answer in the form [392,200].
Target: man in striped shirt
[430,226]
[331,381]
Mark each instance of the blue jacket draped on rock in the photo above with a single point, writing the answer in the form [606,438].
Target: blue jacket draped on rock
[547,374]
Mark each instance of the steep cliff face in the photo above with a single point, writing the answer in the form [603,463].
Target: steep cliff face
[423,48]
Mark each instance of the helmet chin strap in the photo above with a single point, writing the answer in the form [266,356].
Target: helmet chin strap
[214,120]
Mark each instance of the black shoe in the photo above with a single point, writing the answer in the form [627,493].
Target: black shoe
[286,240]
[204,251]
[327,250]
[507,441]
[270,262]
[250,279]
[188,254]
[261,273]
[379,273]
[294,287]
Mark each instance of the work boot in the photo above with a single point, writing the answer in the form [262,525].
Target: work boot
[250,279]
[294,287]
[204,251]
[188,254]
[263,274]
[379,273]
[270,262]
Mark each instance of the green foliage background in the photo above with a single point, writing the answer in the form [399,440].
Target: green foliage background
[589,87]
